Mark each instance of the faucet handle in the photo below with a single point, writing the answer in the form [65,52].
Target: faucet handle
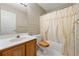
[18,36]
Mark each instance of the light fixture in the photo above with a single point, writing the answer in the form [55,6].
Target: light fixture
[24,4]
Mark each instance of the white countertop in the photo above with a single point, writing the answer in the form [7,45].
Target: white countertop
[12,41]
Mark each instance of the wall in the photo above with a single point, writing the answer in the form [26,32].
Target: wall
[34,12]
[0,21]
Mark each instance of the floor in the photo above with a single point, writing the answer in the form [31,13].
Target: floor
[52,50]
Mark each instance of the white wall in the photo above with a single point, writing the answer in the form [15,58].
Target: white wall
[34,12]
[0,21]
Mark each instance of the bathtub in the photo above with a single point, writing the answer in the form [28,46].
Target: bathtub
[54,49]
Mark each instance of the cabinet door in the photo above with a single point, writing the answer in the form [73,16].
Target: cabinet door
[31,48]
[15,51]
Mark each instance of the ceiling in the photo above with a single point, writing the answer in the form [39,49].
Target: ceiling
[16,6]
[48,7]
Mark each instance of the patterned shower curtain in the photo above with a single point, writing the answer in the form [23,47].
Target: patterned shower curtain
[59,27]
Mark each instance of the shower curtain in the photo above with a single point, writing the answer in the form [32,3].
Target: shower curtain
[67,17]
[59,27]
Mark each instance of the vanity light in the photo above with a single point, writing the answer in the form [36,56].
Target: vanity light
[24,4]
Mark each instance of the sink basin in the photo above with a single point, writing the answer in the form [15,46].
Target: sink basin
[17,39]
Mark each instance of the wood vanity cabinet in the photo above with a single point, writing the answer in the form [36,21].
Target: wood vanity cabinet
[31,48]
[25,49]
[15,51]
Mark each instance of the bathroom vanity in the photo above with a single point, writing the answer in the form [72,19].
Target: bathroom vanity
[25,46]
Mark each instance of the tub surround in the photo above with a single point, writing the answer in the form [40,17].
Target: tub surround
[12,42]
